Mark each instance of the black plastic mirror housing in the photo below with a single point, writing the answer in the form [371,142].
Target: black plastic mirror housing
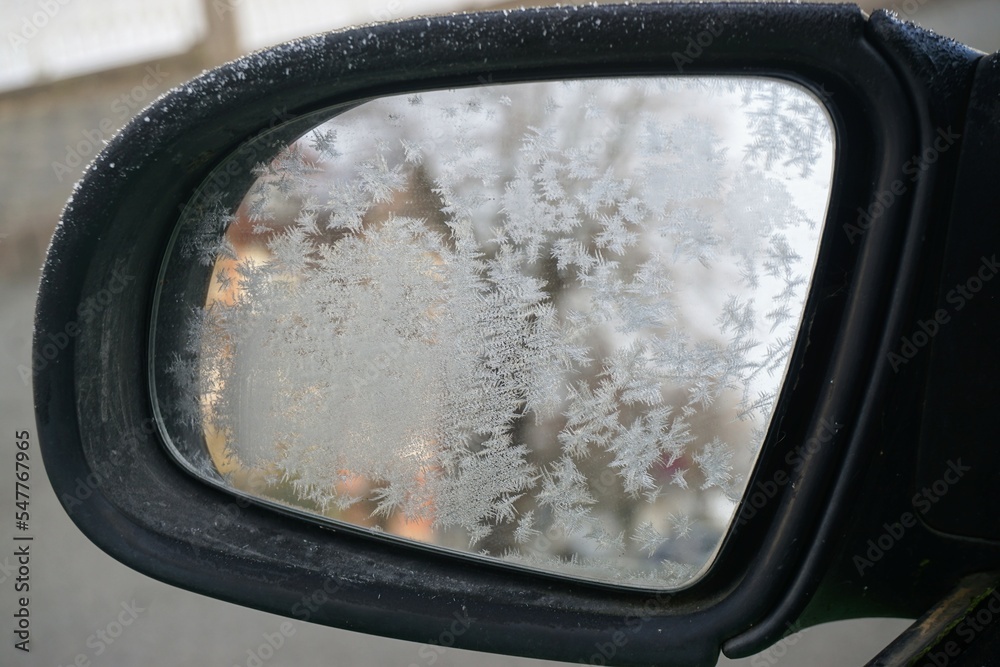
[890,89]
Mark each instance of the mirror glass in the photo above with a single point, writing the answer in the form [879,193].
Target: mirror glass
[540,323]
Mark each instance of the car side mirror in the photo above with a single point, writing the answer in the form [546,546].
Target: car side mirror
[580,325]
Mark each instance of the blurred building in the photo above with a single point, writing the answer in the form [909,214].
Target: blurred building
[72,73]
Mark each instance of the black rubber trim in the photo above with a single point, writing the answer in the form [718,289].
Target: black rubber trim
[935,74]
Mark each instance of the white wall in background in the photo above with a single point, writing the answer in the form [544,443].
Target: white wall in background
[44,40]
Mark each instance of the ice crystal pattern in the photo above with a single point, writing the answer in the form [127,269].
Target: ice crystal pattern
[545,323]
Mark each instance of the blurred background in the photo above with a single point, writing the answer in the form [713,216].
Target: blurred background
[71,73]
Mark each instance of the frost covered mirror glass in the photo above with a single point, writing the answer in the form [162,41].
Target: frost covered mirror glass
[542,323]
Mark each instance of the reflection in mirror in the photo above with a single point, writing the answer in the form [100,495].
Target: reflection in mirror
[543,323]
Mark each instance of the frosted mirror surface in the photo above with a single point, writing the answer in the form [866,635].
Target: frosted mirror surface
[541,323]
